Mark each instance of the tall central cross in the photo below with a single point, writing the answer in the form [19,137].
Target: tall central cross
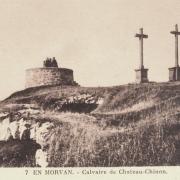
[141,36]
[176,33]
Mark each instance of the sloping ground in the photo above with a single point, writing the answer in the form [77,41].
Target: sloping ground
[131,125]
[115,100]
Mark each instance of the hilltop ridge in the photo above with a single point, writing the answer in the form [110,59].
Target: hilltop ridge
[116,99]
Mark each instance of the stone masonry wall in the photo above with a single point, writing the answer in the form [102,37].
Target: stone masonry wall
[48,76]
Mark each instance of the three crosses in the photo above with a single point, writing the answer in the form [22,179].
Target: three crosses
[141,73]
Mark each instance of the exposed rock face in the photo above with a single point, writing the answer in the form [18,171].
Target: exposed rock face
[41,158]
[16,125]
[16,128]
[84,103]
[23,124]
[23,129]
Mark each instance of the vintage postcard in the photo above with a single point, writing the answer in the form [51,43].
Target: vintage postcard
[89,89]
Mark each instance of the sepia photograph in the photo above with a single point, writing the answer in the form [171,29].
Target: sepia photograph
[89,83]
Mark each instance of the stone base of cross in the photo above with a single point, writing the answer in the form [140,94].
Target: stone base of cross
[141,75]
[174,74]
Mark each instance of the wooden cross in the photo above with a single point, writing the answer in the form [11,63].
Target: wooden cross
[176,33]
[141,36]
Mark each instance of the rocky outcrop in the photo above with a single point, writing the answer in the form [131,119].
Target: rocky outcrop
[82,103]
[21,127]
[26,122]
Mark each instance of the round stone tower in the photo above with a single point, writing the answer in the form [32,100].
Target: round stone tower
[49,74]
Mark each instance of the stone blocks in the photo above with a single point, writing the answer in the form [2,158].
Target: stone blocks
[142,75]
[174,74]
[49,76]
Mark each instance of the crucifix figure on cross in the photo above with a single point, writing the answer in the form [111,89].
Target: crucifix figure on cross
[141,36]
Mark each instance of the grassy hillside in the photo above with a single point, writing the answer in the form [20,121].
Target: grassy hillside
[117,99]
[130,125]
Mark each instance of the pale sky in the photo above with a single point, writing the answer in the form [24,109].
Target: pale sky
[95,38]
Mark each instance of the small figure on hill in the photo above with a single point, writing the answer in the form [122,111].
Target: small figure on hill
[47,62]
[26,133]
[54,62]
[50,62]
[17,133]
